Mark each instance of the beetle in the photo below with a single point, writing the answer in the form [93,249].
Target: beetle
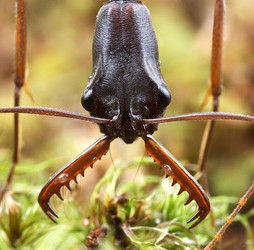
[127,97]
[125,88]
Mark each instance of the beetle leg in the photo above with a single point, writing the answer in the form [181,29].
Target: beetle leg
[180,175]
[70,172]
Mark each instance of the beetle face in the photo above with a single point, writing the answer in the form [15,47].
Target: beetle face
[127,101]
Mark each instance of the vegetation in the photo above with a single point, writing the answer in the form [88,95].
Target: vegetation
[126,209]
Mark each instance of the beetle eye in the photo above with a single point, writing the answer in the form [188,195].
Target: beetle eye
[164,97]
[87,100]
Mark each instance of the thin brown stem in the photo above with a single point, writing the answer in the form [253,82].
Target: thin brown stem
[20,44]
[19,82]
[231,217]
[16,151]
[203,154]
[215,90]
[217,47]
[204,149]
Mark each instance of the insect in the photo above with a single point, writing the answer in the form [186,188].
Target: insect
[127,97]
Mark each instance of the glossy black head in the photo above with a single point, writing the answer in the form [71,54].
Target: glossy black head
[126,84]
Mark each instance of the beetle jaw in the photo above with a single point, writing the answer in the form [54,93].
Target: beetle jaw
[128,127]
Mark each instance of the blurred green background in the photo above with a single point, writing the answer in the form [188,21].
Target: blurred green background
[60,35]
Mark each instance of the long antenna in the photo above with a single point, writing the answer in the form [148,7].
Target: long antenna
[54,112]
[202,116]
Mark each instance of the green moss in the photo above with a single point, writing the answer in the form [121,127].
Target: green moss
[145,211]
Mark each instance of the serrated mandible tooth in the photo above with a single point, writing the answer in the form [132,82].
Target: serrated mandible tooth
[68,185]
[174,181]
[188,201]
[75,179]
[181,190]
[194,217]
[50,211]
[59,195]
